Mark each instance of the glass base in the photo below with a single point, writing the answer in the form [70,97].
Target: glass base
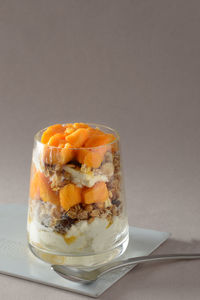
[93,260]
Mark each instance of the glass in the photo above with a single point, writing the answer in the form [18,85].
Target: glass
[84,233]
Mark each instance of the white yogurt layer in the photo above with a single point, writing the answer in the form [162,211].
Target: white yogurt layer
[84,179]
[95,237]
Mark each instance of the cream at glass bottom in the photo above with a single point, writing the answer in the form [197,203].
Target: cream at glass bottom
[84,244]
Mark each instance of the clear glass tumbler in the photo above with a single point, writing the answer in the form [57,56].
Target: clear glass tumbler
[77,213]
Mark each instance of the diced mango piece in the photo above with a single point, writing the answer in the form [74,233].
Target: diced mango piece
[99,140]
[61,145]
[114,146]
[91,158]
[70,195]
[51,130]
[57,139]
[94,131]
[51,156]
[80,155]
[95,194]
[33,169]
[111,138]
[78,137]
[80,125]
[66,154]
[94,159]
[46,193]
[34,187]
[69,130]
[61,155]
[69,125]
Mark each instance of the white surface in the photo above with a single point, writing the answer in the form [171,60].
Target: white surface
[17,260]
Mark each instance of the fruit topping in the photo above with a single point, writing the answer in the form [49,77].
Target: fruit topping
[70,195]
[95,194]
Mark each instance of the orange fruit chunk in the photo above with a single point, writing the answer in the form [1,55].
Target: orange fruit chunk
[46,193]
[40,189]
[57,139]
[80,125]
[51,130]
[69,130]
[70,195]
[96,140]
[66,154]
[95,194]
[34,187]
[69,125]
[91,157]
[61,155]
[78,137]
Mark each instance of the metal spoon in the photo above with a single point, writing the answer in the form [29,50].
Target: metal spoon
[81,275]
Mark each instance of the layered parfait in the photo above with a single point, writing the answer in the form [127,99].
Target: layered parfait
[76,205]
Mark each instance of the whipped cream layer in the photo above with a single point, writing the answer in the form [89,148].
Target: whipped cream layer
[84,179]
[81,237]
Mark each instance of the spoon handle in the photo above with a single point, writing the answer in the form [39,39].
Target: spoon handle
[144,259]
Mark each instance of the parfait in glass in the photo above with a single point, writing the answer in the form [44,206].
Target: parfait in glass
[77,212]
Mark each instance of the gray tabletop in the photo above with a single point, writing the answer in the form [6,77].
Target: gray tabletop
[133,65]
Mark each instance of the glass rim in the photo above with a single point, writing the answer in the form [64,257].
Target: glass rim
[115,132]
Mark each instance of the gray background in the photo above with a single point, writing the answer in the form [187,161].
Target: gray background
[135,66]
